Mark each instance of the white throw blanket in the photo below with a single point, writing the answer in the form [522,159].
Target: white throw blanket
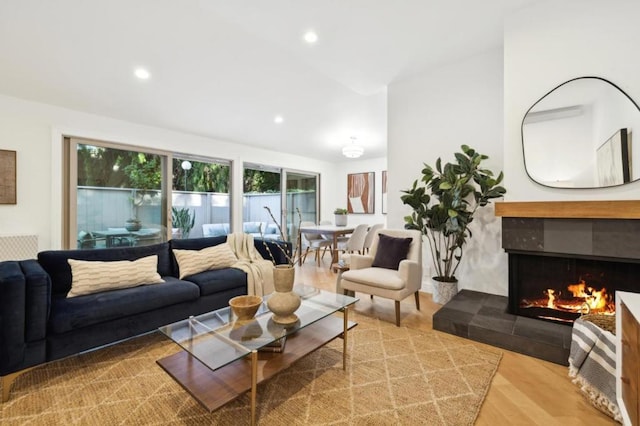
[259,271]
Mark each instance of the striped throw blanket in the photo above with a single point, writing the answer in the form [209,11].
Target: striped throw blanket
[592,365]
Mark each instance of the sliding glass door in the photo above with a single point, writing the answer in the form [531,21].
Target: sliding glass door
[200,197]
[118,195]
[285,192]
[115,196]
[262,186]
[300,199]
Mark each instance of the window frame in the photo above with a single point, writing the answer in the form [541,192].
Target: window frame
[70,181]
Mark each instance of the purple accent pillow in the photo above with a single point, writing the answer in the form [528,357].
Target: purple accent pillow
[391,251]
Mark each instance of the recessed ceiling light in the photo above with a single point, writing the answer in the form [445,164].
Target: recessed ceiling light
[278,119]
[142,74]
[310,37]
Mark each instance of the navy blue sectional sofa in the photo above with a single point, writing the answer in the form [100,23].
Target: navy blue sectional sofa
[38,323]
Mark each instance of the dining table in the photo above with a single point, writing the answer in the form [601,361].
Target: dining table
[329,230]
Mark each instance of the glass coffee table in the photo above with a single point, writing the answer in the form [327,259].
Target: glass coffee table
[223,358]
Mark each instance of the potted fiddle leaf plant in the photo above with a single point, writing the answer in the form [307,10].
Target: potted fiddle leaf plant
[444,201]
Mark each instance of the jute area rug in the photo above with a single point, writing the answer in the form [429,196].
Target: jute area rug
[395,375]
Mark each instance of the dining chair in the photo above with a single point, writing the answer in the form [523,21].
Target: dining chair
[314,242]
[354,243]
[327,237]
[369,238]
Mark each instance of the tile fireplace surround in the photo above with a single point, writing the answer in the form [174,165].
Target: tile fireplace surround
[585,229]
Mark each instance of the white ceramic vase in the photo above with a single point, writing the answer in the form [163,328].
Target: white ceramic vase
[284,302]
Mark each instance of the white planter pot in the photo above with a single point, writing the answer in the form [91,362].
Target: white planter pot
[443,291]
[341,219]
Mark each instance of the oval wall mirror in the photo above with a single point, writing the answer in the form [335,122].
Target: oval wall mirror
[578,135]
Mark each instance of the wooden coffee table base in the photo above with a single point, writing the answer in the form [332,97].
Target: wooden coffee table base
[215,388]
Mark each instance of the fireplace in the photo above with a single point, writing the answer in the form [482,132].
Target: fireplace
[560,288]
[564,261]
[559,246]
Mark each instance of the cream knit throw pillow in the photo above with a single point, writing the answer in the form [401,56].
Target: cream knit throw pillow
[95,276]
[193,261]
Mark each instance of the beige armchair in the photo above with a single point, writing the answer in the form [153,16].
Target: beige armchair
[383,282]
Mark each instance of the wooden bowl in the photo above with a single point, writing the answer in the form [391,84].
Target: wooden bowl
[245,307]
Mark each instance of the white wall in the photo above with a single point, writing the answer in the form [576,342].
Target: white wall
[430,115]
[552,42]
[35,131]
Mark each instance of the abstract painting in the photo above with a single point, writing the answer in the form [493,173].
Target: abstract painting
[384,192]
[360,193]
[613,160]
[7,177]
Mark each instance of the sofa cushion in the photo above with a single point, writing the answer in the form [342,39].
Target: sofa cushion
[272,228]
[375,277]
[192,244]
[93,276]
[193,261]
[77,312]
[56,265]
[219,280]
[215,229]
[252,227]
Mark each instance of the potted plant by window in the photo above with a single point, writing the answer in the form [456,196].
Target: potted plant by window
[182,220]
[444,203]
[340,216]
[134,223]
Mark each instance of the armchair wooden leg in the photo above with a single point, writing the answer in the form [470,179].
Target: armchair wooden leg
[417,294]
[397,313]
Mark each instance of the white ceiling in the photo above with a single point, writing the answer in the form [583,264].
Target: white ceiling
[224,69]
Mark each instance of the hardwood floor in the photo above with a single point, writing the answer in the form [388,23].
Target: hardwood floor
[525,390]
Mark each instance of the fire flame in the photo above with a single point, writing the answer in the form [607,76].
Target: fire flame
[580,298]
[596,300]
[551,295]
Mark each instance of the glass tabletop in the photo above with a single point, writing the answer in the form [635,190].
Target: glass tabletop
[217,338]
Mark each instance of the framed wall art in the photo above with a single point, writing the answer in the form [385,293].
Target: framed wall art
[360,193]
[7,177]
[384,192]
[612,158]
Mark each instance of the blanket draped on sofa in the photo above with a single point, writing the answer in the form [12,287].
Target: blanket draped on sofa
[259,271]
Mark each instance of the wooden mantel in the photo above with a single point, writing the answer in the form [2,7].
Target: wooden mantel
[570,209]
